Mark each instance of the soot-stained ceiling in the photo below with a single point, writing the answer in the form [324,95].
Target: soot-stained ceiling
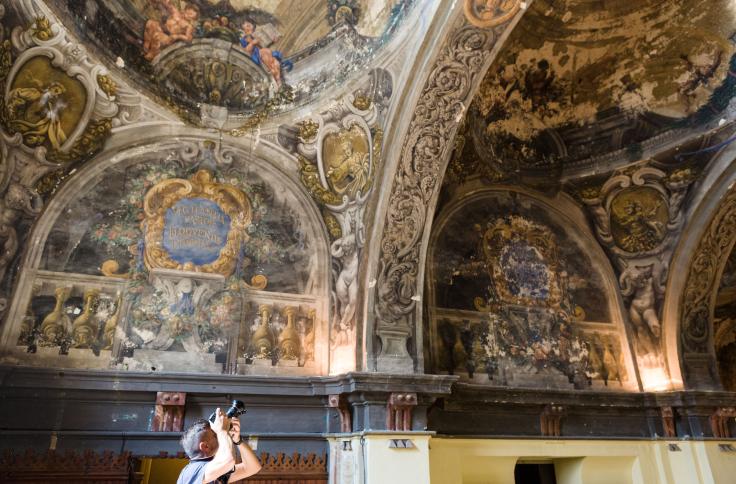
[580,79]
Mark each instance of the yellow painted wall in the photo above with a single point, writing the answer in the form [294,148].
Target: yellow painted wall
[386,465]
[161,470]
[486,461]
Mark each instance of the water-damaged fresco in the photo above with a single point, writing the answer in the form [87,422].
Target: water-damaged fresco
[576,81]
[244,55]
[515,300]
[178,264]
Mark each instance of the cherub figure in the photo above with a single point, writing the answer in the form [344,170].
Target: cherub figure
[346,286]
[271,60]
[179,26]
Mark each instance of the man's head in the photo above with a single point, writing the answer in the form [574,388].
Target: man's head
[199,441]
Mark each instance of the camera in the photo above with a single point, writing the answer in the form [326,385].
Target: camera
[237,408]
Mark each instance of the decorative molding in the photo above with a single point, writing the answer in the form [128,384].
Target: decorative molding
[70,466]
[294,468]
[425,152]
[399,411]
[169,413]
[719,422]
[696,305]
[340,403]
[550,420]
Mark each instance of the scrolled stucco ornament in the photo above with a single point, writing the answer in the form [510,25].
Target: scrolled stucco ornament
[339,152]
[425,151]
[637,216]
[697,302]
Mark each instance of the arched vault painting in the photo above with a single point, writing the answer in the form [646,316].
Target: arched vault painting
[179,261]
[516,299]
[246,56]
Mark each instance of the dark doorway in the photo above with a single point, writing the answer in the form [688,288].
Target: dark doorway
[535,474]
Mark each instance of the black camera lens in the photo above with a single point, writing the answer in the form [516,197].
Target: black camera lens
[237,408]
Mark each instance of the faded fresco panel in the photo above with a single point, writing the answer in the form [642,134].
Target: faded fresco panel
[515,300]
[166,265]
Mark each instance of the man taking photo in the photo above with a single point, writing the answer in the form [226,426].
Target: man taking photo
[210,451]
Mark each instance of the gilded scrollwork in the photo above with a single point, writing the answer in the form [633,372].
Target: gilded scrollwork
[42,29]
[164,196]
[518,242]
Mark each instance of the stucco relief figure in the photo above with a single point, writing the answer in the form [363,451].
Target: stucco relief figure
[178,26]
[19,200]
[642,309]
[271,60]
[35,112]
[346,287]
[489,13]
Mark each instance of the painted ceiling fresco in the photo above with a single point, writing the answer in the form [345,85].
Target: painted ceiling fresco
[243,55]
[514,297]
[577,80]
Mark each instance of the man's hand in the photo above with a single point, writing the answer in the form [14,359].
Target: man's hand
[235,429]
[223,460]
[250,464]
[221,423]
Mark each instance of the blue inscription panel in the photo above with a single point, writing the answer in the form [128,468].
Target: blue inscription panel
[195,230]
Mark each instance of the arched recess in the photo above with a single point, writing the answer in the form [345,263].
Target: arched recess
[456,58]
[519,293]
[143,317]
[695,272]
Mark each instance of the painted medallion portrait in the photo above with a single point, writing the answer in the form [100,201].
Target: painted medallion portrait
[44,104]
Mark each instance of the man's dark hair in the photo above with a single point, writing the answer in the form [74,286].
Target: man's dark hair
[192,437]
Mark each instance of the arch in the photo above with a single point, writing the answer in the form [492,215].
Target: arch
[566,216]
[393,279]
[129,149]
[695,270]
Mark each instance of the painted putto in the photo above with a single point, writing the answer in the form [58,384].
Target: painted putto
[246,56]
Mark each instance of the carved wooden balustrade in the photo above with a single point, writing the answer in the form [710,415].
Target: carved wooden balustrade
[69,467]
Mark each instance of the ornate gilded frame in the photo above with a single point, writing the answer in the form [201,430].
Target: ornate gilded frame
[165,194]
